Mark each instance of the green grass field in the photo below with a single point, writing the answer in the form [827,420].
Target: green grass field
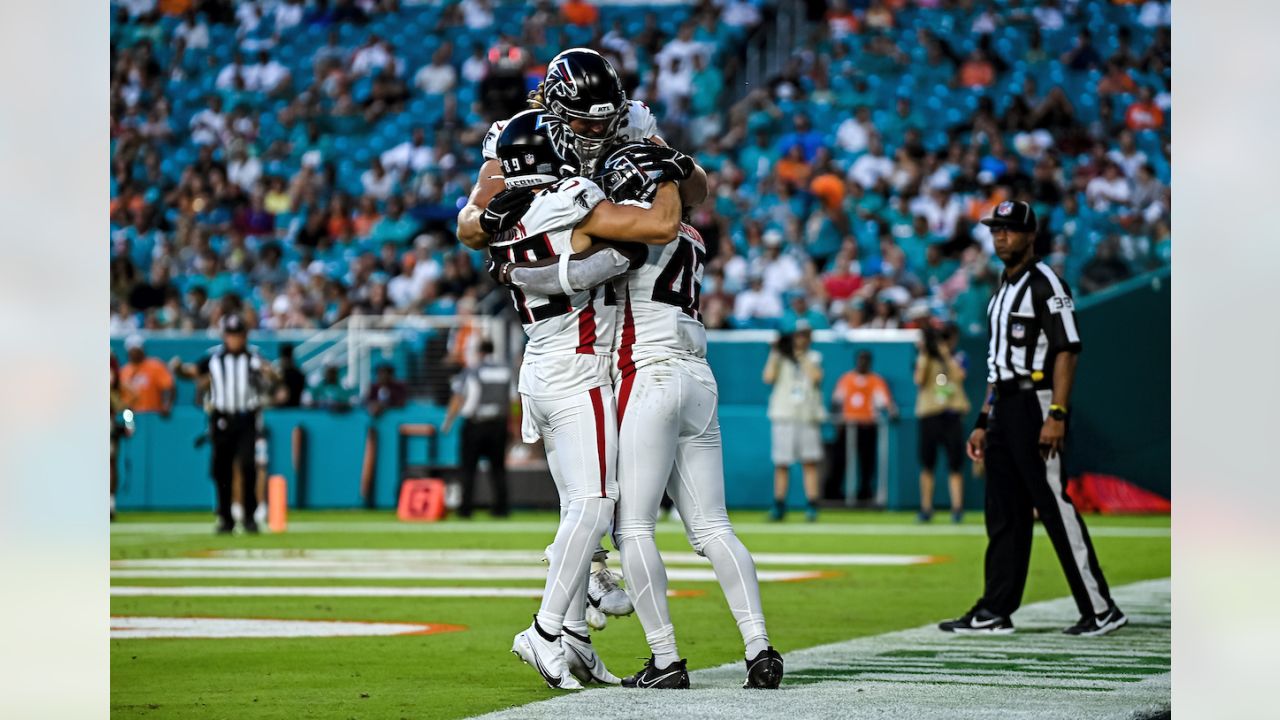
[470,672]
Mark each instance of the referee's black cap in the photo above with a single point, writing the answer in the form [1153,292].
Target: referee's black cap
[1014,215]
[233,325]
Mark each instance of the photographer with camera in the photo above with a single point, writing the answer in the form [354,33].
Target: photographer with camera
[794,369]
[941,406]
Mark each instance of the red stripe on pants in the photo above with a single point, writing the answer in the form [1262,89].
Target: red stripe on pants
[597,404]
[624,393]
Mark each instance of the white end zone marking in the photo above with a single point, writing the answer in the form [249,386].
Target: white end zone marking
[438,572]
[131,628]
[1035,674]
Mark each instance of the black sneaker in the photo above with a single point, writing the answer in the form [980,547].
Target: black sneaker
[673,677]
[765,671]
[251,527]
[1102,624]
[978,620]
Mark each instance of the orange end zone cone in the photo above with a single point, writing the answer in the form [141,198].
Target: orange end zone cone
[277,503]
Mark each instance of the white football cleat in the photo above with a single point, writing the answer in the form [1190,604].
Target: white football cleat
[583,661]
[604,594]
[596,619]
[546,656]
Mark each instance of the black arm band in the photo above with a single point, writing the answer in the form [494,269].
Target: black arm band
[982,422]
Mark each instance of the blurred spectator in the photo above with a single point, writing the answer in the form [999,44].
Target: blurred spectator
[438,77]
[872,167]
[580,13]
[1144,113]
[330,393]
[1104,269]
[794,369]
[409,157]
[1108,189]
[976,72]
[292,382]
[858,397]
[1082,56]
[385,392]
[146,381]
[754,306]
[854,133]
[941,405]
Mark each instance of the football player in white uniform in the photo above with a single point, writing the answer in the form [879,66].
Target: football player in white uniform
[582,89]
[669,435]
[565,380]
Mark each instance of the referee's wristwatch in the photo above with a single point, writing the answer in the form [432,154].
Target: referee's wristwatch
[1057,412]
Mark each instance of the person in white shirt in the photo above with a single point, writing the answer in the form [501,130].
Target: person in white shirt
[227,76]
[1109,188]
[377,182]
[870,168]
[756,304]
[208,125]
[437,77]
[780,270]
[268,76]
[193,31]
[243,169]
[739,13]
[940,208]
[288,14]
[411,156]
[854,133]
[476,67]
[373,55]
[477,14]
[1049,16]
[1128,156]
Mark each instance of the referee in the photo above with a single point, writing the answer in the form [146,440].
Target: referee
[1031,364]
[233,378]
[482,396]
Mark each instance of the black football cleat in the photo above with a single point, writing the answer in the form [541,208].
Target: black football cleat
[1096,625]
[673,677]
[978,621]
[764,672]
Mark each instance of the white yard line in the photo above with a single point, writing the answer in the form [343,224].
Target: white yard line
[348,591]
[273,558]
[436,572]
[135,628]
[486,527]
[1036,673]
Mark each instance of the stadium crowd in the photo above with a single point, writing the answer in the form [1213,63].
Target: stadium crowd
[300,161]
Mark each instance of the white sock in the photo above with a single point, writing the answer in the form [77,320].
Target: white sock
[736,572]
[647,586]
[581,527]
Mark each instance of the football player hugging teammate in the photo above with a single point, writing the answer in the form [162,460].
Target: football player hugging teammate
[585,232]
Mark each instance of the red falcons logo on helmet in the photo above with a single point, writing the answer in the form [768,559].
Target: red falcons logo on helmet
[561,73]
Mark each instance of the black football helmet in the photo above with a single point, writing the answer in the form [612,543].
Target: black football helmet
[582,85]
[536,148]
[621,177]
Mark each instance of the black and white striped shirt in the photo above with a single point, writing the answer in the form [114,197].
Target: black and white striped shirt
[1031,319]
[236,382]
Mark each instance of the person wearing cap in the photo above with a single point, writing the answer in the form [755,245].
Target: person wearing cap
[146,380]
[234,380]
[794,369]
[1020,435]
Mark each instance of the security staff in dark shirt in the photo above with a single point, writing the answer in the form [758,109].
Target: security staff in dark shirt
[1031,364]
[482,396]
[233,378]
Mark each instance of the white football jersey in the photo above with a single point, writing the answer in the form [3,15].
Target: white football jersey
[659,304]
[570,336]
[640,124]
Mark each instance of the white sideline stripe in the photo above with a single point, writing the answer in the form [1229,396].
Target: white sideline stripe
[439,572]
[268,558]
[486,527]
[317,591]
[131,628]
[921,674]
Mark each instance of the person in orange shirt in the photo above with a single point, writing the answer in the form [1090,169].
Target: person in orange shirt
[859,394]
[1144,113]
[977,71]
[147,381]
[580,13]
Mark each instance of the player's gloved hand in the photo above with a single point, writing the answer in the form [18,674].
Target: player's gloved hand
[499,270]
[664,164]
[505,210]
